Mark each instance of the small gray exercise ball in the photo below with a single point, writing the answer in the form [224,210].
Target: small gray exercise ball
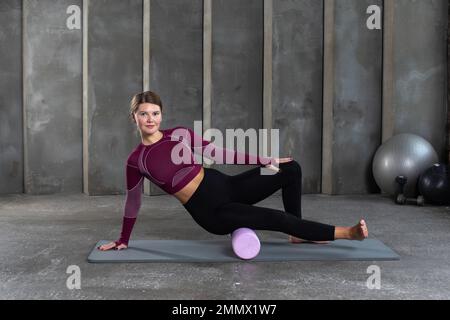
[404,154]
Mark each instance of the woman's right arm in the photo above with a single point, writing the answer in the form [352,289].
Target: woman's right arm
[132,205]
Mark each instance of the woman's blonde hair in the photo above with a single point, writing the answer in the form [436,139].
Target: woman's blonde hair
[143,97]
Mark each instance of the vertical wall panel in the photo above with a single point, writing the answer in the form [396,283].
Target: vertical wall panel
[52,98]
[237,68]
[420,60]
[11,136]
[114,75]
[176,61]
[357,97]
[448,85]
[297,84]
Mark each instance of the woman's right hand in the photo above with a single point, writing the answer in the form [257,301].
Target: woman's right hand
[112,245]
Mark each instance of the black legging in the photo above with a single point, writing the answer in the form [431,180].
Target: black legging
[224,203]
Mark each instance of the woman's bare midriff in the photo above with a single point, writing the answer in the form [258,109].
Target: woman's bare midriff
[188,190]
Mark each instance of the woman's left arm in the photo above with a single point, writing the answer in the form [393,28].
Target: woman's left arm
[222,155]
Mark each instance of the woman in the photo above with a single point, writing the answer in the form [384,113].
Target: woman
[218,202]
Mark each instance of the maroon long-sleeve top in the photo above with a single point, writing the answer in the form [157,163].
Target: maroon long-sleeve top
[170,164]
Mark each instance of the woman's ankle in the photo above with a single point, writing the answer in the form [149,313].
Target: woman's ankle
[343,233]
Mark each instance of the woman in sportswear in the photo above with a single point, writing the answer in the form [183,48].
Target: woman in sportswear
[218,202]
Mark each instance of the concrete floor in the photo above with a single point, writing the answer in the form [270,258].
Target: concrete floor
[41,236]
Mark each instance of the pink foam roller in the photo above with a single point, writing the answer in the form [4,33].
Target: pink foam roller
[245,243]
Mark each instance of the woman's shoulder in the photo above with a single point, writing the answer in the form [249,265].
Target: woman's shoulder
[178,132]
[182,132]
[177,129]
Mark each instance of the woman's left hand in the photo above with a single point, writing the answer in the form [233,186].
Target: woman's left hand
[278,161]
[283,160]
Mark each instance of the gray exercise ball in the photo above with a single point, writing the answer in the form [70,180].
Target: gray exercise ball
[404,154]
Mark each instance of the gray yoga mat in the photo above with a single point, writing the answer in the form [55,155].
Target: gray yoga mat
[221,251]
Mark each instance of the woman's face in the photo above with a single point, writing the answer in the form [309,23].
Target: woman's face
[148,118]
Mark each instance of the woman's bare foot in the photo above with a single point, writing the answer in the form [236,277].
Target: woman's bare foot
[359,231]
[293,239]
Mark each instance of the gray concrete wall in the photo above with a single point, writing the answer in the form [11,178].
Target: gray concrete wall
[176,61]
[11,133]
[354,109]
[347,132]
[52,98]
[358,96]
[114,75]
[297,84]
[237,68]
[448,86]
[420,74]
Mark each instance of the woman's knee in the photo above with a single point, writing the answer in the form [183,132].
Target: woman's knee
[293,167]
